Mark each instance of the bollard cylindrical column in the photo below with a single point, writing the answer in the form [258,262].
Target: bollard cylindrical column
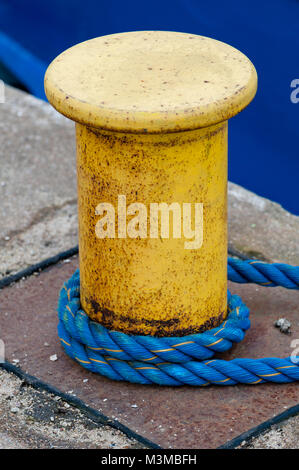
[151,111]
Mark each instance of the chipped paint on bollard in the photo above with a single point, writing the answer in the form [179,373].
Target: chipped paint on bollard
[151,110]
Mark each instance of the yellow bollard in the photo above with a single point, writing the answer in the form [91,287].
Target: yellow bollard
[151,111]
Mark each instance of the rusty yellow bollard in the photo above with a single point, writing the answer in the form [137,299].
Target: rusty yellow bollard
[151,111]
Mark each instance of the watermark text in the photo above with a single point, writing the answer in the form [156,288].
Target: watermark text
[153,221]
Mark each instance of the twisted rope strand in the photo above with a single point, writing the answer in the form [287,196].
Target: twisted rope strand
[258,272]
[177,360]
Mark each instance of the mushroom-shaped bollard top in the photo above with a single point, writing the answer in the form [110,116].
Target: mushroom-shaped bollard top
[150,81]
[151,111]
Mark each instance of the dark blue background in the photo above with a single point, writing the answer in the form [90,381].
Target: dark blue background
[263,139]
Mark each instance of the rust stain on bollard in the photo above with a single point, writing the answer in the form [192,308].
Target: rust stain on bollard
[153,284]
[151,111]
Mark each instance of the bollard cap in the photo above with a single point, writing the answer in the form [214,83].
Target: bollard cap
[150,82]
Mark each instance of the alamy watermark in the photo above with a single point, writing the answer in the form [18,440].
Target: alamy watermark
[2,92]
[294,97]
[295,354]
[145,221]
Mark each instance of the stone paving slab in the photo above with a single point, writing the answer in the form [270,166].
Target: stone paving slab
[37,419]
[281,436]
[171,417]
[38,209]
[260,228]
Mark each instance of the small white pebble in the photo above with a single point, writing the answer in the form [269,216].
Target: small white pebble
[85,380]
[14,409]
[104,399]
[53,357]
[66,405]
[46,344]
[66,260]
[6,239]
[134,406]
[16,361]
[52,419]
[284,325]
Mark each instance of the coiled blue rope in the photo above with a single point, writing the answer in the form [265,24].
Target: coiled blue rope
[177,360]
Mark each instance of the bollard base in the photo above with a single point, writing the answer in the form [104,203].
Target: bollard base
[134,326]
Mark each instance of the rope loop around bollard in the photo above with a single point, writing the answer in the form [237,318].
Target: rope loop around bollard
[175,361]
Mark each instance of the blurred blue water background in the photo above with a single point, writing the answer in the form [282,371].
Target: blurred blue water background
[263,139]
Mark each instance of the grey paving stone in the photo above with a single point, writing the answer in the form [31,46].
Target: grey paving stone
[37,182]
[260,228]
[36,419]
[281,436]
[6,442]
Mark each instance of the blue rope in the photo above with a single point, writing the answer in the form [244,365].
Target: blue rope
[177,360]
[269,275]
